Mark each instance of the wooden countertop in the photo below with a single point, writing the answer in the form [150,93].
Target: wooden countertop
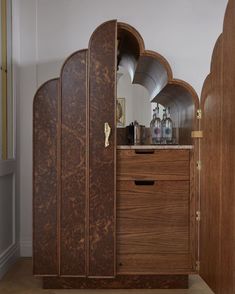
[127,147]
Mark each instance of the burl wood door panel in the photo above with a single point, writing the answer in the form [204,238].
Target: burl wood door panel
[153,231]
[102,160]
[153,164]
[45,179]
[73,165]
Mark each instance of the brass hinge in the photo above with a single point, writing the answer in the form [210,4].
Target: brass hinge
[199,114]
[199,165]
[197,134]
[197,266]
[198,216]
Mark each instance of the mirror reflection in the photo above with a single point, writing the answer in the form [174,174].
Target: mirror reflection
[135,99]
[145,122]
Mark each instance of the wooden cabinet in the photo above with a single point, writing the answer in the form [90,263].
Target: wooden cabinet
[153,212]
[123,216]
[107,215]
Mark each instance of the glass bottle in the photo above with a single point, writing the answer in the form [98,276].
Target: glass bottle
[163,126]
[152,126]
[168,128]
[155,127]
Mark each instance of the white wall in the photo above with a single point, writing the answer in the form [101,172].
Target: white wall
[183,31]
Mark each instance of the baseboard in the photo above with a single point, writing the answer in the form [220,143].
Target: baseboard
[8,258]
[26,248]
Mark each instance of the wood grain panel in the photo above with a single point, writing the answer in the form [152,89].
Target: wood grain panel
[45,134]
[218,185]
[73,164]
[102,161]
[153,225]
[193,204]
[120,282]
[159,165]
[228,155]
[211,172]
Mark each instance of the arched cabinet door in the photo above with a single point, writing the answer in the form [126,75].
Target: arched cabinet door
[45,179]
[102,150]
[73,138]
[217,255]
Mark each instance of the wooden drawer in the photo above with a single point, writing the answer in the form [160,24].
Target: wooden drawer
[153,227]
[153,164]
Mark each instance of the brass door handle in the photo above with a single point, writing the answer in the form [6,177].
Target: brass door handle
[107,132]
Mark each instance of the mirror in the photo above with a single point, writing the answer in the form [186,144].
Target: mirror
[133,102]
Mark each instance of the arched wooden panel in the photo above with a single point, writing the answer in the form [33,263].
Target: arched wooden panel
[218,164]
[210,183]
[210,175]
[102,160]
[228,154]
[45,179]
[73,165]
[153,72]
[130,46]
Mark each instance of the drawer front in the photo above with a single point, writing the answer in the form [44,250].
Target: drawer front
[153,227]
[153,164]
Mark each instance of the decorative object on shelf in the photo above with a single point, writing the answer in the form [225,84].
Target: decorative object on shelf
[167,127]
[136,134]
[121,112]
[162,130]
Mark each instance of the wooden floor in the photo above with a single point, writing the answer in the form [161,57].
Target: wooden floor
[19,280]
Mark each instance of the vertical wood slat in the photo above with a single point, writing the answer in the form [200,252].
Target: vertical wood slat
[45,176]
[73,165]
[102,161]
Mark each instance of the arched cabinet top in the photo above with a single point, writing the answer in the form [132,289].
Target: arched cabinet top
[150,69]
[43,91]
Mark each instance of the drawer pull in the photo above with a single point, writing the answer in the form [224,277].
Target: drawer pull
[144,183]
[142,151]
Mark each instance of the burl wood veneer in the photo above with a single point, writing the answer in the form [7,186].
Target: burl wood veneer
[73,165]
[102,161]
[45,179]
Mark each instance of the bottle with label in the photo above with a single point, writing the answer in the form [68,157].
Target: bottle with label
[168,128]
[155,127]
[163,126]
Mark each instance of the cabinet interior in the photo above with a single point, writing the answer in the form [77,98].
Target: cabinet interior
[152,71]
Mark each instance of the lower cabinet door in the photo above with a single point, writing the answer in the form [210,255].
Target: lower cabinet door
[153,227]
